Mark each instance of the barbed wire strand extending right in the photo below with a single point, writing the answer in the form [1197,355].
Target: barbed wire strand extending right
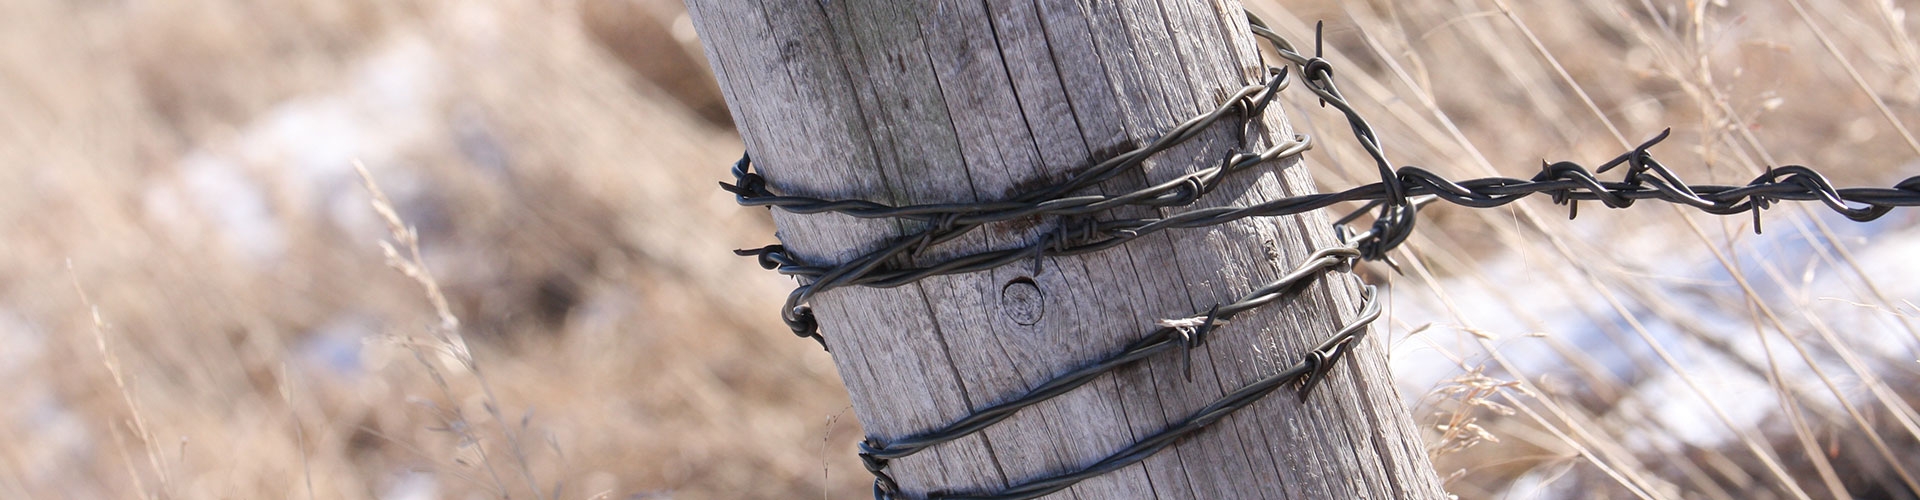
[1077,233]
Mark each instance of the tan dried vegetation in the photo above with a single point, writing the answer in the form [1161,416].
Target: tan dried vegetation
[195,301]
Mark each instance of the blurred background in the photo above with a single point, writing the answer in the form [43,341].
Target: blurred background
[195,302]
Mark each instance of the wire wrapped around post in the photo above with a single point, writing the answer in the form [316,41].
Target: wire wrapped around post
[1078,228]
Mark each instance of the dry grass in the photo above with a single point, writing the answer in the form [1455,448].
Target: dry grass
[193,161]
[194,304]
[1700,363]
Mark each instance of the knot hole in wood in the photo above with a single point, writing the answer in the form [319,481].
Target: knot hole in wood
[1022,301]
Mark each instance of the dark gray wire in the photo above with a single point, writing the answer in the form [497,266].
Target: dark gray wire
[953,220]
[750,188]
[1076,232]
[1309,372]
[1565,182]
[1161,339]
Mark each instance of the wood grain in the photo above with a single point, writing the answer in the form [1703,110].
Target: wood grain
[918,102]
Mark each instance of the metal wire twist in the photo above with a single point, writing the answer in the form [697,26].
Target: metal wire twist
[953,220]
[1396,199]
[1186,334]
[1078,233]
[1309,371]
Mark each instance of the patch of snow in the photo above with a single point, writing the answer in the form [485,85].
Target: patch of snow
[21,343]
[299,156]
[335,347]
[57,438]
[1690,279]
[413,486]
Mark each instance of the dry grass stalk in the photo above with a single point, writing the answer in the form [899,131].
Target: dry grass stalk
[450,343]
[1471,393]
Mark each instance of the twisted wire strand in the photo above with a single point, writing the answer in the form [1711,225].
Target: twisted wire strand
[1073,237]
[751,189]
[1185,334]
[1308,372]
[1076,232]
[953,220]
[1564,182]
[1395,221]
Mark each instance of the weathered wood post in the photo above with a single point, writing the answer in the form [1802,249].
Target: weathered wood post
[907,102]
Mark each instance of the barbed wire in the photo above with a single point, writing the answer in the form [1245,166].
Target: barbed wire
[750,188]
[1565,183]
[1078,229]
[1185,334]
[1309,371]
[1077,232]
[954,220]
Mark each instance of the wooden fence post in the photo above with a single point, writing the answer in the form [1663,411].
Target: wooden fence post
[959,101]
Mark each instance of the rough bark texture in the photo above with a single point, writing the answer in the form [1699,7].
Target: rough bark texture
[918,102]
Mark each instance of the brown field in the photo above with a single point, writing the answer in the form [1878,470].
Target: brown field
[195,301]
